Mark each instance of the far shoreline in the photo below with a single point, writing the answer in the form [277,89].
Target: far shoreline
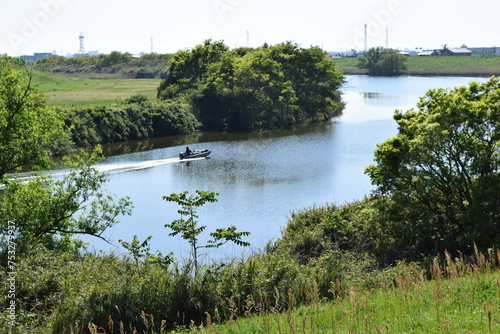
[471,66]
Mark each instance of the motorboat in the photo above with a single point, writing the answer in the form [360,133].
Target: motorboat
[194,154]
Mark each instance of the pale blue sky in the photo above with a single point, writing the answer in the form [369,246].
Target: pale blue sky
[29,26]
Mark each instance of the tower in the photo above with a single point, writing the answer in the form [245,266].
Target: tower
[366,39]
[386,37]
[82,48]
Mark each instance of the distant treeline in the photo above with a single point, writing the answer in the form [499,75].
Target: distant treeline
[483,66]
[117,63]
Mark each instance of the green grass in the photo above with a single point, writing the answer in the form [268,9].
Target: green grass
[84,91]
[458,305]
[456,66]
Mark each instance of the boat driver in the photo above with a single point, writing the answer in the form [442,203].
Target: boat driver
[188,151]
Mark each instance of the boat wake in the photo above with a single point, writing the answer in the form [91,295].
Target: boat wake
[126,167]
[106,168]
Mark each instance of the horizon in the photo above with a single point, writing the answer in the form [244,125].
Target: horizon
[165,27]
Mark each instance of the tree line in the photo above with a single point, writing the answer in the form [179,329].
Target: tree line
[248,89]
[117,63]
[137,117]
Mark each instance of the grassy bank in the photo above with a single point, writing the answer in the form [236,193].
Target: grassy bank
[268,293]
[456,305]
[84,91]
[448,66]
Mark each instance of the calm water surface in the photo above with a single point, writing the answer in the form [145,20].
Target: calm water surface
[261,177]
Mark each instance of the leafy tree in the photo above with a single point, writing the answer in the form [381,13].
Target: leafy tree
[258,94]
[187,68]
[189,229]
[383,62]
[314,78]
[438,180]
[50,212]
[269,87]
[30,132]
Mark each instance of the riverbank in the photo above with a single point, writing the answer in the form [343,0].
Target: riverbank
[477,66]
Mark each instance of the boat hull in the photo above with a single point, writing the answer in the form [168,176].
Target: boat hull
[195,154]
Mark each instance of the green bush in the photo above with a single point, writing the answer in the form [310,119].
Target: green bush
[135,118]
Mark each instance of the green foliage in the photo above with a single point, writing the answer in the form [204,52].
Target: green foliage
[29,131]
[50,212]
[189,229]
[118,294]
[116,63]
[250,89]
[438,179]
[416,306]
[138,249]
[313,232]
[383,62]
[187,68]
[135,118]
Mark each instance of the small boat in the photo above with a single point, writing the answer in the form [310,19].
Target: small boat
[194,154]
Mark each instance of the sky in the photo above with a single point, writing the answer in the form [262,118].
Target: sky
[166,26]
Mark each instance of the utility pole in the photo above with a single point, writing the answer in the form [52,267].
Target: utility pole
[366,39]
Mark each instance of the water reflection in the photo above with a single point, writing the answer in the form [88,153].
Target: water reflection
[370,95]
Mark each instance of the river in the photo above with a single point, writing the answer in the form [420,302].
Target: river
[261,177]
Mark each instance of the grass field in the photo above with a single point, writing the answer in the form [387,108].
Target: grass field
[458,304]
[454,66]
[83,91]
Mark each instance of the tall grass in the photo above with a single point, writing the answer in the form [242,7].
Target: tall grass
[461,296]
[267,293]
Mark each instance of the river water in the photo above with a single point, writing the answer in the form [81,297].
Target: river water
[261,177]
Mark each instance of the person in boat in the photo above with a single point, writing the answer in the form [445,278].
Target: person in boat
[188,151]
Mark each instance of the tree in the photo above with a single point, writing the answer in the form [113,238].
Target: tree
[189,229]
[48,212]
[187,68]
[314,79]
[30,132]
[383,62]
[269,87]
[438,180]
